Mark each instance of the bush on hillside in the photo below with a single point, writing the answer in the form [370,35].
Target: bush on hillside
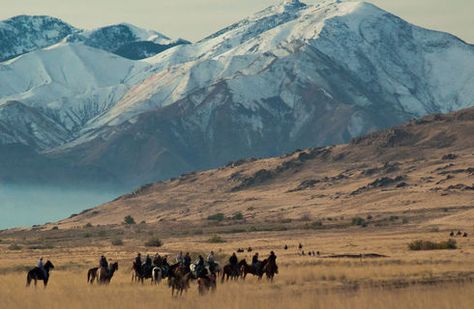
[419,245]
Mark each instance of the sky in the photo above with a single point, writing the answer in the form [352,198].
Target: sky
[195,19]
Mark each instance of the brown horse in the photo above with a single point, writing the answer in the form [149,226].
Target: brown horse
[104,276]
[230,272]
[206,284]
[92,275]
[178,280]
[37,274]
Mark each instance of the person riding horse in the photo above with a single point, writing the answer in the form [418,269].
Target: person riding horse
[234,263]
[211,261]
[255,261]
[103,262]
[187,262]
[180,258]
[41,266]
[147,266]
[138,263]
[165,266]
[157,260]
[201,271]
[272,261]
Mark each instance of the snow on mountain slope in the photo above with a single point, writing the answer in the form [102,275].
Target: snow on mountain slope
[69,83]
[291,76]
[378,57]
[22,34]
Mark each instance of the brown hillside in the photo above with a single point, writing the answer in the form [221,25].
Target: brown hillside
[423,170]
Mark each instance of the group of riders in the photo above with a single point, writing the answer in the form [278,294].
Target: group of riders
[201,268]
[205,270]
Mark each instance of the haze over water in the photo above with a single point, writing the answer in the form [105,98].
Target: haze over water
[21,206]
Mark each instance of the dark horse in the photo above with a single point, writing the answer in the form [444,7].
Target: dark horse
[230,272]
[270,269]
[102,277]
[249,269]
[142,273]
[37,274]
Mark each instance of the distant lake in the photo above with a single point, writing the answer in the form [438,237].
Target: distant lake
[27,206]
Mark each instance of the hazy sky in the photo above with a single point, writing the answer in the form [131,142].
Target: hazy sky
[195,19]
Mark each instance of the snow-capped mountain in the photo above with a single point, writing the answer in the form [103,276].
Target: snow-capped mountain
[126,40]
[22,34]
[70,84]
[288,77]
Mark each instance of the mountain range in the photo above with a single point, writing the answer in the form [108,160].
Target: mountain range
[81,106]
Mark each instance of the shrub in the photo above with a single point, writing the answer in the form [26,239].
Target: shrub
[14,247]
[238,216]
[129,220]
[316,225]
[54,228]
[216,239]
[358,221]
[370,217]
[419,245]
[216,217]
[102,233]
[154,242]
[405,221]
[88,225]
[117,242]
[87,235]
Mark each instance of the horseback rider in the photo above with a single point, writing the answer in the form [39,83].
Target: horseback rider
[138,263]
[234,262]
[187,262]
[272,260]
[180,258]
[211,261]
[41,267]
[157,260]
[165,266]
[148,264]
[103,263]
[201,271]
[255,261]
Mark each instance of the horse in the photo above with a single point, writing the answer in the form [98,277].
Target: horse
[246,269]
[178,280]
[37,274]
[104,276]
[207,283]
[230,272]
[157,275]
[270,269]
[142,273]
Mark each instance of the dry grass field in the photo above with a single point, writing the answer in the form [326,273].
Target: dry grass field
[403,279]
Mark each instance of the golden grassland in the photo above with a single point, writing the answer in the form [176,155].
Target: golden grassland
[404,279]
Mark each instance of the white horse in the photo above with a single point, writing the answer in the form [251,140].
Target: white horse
[157,275]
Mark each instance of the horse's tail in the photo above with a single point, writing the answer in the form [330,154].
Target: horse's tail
[28,279]
[89,275]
